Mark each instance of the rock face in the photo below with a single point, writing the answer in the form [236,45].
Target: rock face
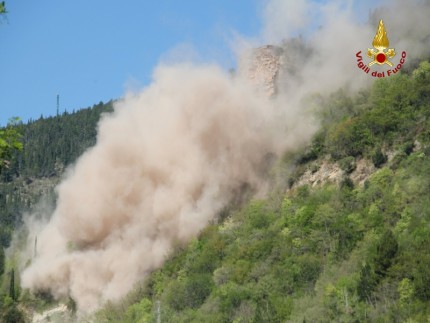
[262,66]
[330,172]
[268,67]
[327,172]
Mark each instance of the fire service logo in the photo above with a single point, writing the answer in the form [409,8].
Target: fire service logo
[380,55]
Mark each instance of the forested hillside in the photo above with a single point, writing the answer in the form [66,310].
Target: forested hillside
[327,253]
[49,145]
[53,141]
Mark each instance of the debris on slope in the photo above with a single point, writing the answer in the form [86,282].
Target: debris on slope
[56,314]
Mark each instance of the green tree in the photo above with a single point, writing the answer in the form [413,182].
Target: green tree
[2,8]
[190,292]
[422,277]
[12,293]
[2,260]
[11,314]
[379,158]
[10,140]
[366,283]
[386,250]
[406,292]
[348,138]
[140,312]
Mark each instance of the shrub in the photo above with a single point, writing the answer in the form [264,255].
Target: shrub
[140,312]
[346,183]
[347,164]
[408,147]
[190,293]
[386,250]
[349,138]
[379,158]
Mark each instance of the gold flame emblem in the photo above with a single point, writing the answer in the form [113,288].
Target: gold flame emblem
[381,43]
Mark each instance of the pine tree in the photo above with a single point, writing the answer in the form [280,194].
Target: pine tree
[386,250]
[12,285]
[1,260]
[367,283]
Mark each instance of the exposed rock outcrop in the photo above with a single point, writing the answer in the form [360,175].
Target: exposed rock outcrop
[269,67]
[262,66]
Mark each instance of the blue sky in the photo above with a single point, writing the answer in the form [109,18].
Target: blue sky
[91,51]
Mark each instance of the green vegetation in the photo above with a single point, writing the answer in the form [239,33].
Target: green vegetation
[54,142]
[332,253]
[10,141]
[342,253]
[2,8]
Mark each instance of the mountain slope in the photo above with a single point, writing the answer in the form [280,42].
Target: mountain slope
[349,249]
[50,145]
[346,252]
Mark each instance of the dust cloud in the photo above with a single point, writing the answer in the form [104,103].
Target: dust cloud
[169,158]
[166,161]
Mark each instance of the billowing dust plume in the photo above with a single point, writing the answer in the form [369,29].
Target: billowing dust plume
[169,158]
[166,161]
